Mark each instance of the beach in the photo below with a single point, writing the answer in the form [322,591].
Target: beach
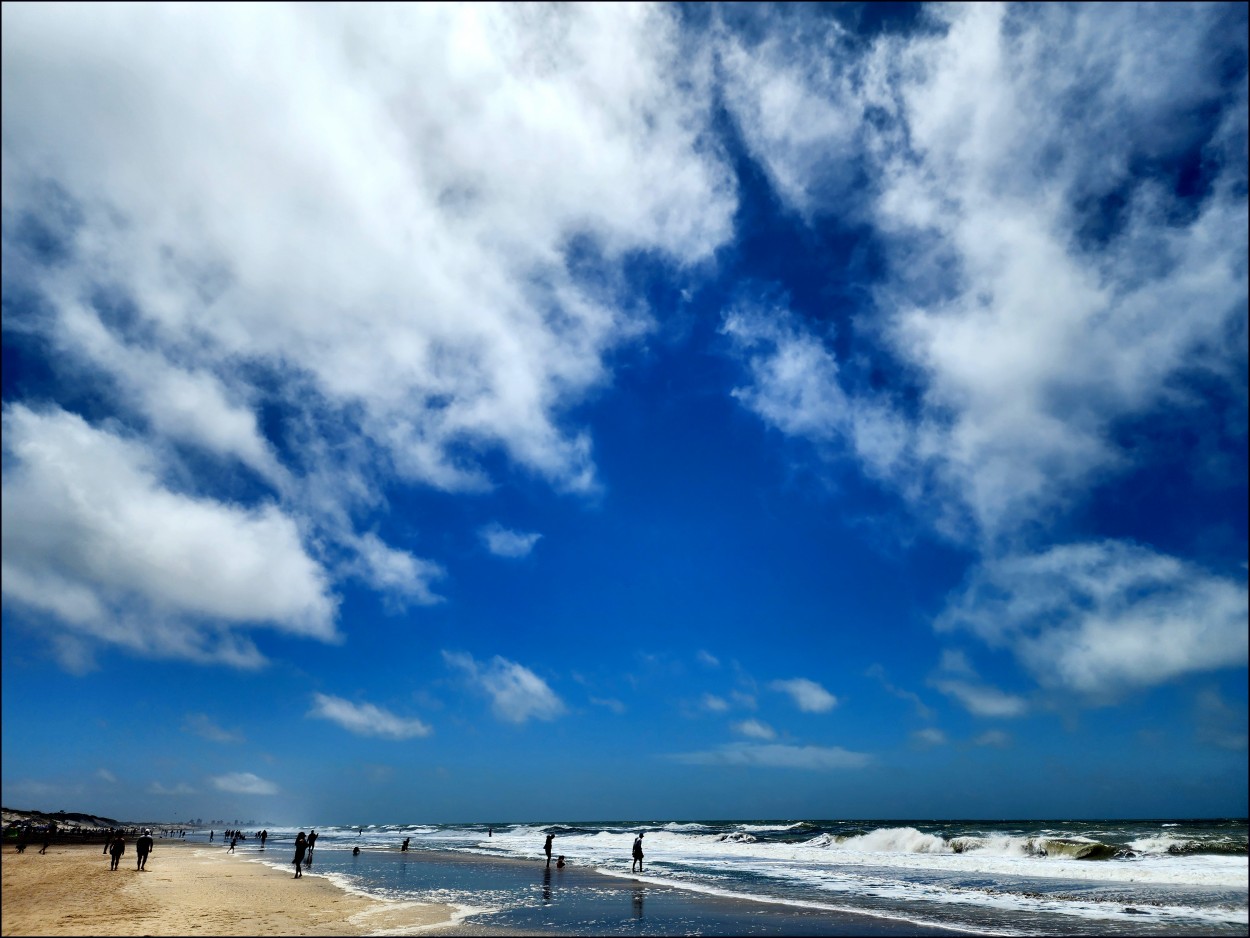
[188,889]
[198,888]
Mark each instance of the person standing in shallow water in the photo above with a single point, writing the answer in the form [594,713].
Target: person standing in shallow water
[637,864]
[547,847]
[301,845]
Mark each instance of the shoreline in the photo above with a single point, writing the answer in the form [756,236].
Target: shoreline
[194,888]
[188,889]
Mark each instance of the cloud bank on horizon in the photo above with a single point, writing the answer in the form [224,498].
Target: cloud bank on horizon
[274,275]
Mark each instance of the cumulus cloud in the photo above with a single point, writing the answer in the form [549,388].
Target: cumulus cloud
[517,693]
[95,540]
[337,203]
[807,695]
[1102,617]
[365,719]
[982,700]
[505,543]
[755,729]
[244,783]
[777,755]
[714,703]
[1025,322]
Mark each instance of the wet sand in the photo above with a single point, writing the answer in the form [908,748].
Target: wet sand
[188,889]
[197,889]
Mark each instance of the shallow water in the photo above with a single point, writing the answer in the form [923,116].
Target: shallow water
[804,877]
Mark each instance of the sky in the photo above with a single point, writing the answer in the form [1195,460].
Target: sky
[434,413]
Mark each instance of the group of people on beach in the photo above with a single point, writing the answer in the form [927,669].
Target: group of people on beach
[115,847]
[636,866]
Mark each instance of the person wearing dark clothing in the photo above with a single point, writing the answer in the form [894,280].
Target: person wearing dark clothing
[143,846]
[264,835]
[47,840]
[547,847]
[355,851]
[234,839]
[116,849]
[108,840]
[301,845]
[637,864]
[405,845]
[312,842]
[560,862]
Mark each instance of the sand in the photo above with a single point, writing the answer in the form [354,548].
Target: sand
[188,889]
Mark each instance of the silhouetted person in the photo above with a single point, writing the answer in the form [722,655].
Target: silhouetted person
[560,862]
[47,839]
[108,840]
[234,839]
[547,847]
[405,846]
[490,832]
[355,851]
[301,845]
[210,837]
[312,842]
[143,846]
[21,840]
[116,849]
[637,864]
[264,835]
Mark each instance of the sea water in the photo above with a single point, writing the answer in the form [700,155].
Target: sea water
[1003,877]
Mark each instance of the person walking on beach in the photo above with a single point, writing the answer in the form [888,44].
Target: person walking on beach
[143,846]
[47,839]
[547,847]
[637,864]
[301,844]
[312,842]
[234,839]
[108,840]
[210,836]
[264,835]
[116,849]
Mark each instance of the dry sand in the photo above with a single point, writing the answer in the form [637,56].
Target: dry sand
[189,890]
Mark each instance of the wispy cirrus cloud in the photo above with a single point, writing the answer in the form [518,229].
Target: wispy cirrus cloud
[517,694]
[366,719]
[204,726]
[777,755]
[244,783]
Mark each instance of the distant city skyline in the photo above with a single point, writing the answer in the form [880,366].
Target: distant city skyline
[508,413]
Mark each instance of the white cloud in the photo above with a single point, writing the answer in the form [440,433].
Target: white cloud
[396,573]
[517,693]
[714,703]
[1027,337]
[777,755]
[929,736]
[807,695]
[374,206]
[244,783]
[982,700]
[707,659]
[755,729]
[505,543]
[107,776]
[365,719]
[1104,617]
[922,710]
[94,539]
[201,725]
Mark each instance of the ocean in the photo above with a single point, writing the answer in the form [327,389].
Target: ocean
[1145,877]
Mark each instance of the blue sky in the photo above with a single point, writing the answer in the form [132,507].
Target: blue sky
[496,413]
